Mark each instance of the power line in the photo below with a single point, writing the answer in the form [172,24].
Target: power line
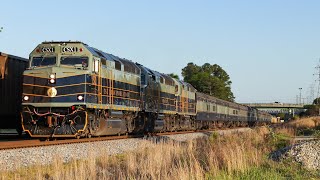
[318,76]
[311,95]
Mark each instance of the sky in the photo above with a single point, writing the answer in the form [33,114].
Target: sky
[269,48]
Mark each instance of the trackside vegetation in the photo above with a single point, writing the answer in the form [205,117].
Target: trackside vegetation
[233,156]
[209,79]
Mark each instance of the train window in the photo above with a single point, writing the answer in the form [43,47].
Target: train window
[192,89]
[213,108]
[143,79]
[161,80]
[74,60]
[96,65]
[168,80]
[117,65]
[103,62]
[129,66]
[208,107]
[43,61]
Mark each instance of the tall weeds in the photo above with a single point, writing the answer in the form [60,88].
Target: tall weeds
[166,159]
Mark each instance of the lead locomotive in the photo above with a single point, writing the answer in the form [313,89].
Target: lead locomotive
[73,90]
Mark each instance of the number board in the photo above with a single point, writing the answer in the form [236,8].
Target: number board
[47,49]
[69,49]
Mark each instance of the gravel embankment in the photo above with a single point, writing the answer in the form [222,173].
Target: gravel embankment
[15,158]
[307,153]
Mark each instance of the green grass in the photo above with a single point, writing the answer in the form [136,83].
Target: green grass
[279,140]
[270,171]
[309,132]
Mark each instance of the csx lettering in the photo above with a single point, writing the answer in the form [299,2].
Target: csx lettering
[69,49]
[47,49]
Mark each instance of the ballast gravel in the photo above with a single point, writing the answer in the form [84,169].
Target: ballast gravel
[16,158]
[307,153]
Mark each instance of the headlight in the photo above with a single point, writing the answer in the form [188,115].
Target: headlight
[52,76]
[52,92]
[26,98]
[80,97]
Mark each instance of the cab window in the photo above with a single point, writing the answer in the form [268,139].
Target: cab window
[43,61]
[74,61]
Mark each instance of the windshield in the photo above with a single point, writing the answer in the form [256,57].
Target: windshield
[75,60]
[43,61]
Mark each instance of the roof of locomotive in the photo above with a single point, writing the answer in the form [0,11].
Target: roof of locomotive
[111,57]
[129,65]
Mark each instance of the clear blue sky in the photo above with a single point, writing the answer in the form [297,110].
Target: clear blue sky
[268,48]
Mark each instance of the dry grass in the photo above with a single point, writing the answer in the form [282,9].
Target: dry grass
[164,159]
[288,131]
[310,122]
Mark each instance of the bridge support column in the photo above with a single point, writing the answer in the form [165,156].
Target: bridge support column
[292,112]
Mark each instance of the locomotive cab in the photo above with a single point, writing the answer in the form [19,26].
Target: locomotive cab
[55,89]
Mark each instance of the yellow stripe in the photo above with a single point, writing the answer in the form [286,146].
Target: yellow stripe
[80,75]
[35,85]
[49,78]
[54,86]
[48,96]
[123,90]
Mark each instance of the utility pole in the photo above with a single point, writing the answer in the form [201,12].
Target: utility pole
[300,96]
[318,79]
[311,97]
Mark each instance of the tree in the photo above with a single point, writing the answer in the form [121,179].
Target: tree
[316,101]
[173,76]
[209,79]
[312,110]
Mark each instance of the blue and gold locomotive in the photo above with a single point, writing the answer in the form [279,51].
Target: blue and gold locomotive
[73,90]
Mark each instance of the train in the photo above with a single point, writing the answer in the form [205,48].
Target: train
[71,89]
[11,70]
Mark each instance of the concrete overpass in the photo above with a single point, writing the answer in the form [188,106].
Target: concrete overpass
[275,108]
[274,105]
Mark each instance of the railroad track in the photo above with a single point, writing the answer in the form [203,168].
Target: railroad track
[304,138]
[37,143]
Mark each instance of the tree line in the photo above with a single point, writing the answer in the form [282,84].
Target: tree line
[208,79]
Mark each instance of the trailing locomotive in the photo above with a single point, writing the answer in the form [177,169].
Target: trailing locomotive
[73,90]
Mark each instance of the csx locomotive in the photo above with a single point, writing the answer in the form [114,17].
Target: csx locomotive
[73,90]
